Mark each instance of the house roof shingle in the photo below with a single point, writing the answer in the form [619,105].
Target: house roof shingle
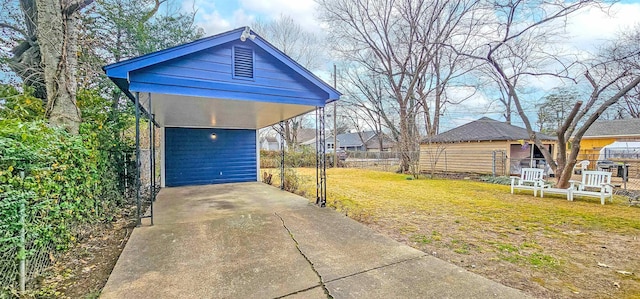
[618,127]
[485,129]
[305,135]
[353,139]
[374,142]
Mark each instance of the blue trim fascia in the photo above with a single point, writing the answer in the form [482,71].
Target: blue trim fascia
[119,69]
[231,95]
[150,79]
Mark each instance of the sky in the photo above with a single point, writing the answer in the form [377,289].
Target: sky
[586,30]
[222,15]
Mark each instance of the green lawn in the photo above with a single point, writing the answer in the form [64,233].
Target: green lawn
[548,247]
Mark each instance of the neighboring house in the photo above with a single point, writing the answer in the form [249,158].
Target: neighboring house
[473,146]
[270,143]
[606,132]
[362,141]
[304,135]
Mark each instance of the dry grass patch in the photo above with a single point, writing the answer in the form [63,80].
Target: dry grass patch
[548,247]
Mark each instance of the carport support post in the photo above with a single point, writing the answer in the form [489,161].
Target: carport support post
[282,145]
[317,160]
[152,154]
[137,182]
[321,166]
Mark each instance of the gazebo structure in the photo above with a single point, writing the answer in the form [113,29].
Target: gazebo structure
[208,98]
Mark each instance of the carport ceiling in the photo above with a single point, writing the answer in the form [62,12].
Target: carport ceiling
[189,111]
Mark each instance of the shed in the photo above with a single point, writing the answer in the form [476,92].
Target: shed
[604,132]
[209,97]
[483,146]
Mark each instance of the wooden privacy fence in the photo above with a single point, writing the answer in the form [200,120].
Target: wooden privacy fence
[442,160]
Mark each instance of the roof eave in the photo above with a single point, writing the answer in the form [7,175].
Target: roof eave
[610,136]
[334,94]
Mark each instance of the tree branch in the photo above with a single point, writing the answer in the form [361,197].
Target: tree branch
[72,6]
[14,28]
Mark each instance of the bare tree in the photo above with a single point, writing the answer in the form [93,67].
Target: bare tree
[368,99]
[492,82]
[629,106]
[302,46]
[447,71]
[524,29]
[396,40]
[554,109]
[613,74]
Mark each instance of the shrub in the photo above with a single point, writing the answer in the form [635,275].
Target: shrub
[62,180]
[291,180]
[500,180]
[61,177]
[19,106]
[302,157]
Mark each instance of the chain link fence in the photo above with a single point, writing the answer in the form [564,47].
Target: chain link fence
[22,256]
[625,171]
[438,161]
[383,161]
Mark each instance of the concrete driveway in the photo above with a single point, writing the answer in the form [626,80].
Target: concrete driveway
[251,240]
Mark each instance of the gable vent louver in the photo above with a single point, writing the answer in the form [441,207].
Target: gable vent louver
[242,63]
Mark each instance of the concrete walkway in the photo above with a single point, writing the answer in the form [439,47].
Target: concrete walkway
[252,240]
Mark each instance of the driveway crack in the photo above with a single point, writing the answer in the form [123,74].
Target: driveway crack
[322,284]
[377,268]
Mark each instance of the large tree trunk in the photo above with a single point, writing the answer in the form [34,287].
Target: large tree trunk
[26,61]
[404,141]
[57,38]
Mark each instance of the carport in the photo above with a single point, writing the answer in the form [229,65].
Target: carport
[208,98]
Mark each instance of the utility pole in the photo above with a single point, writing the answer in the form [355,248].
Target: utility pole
[335,125]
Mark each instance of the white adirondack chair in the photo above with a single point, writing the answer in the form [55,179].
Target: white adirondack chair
[529,179]
[583,165]
[591,181]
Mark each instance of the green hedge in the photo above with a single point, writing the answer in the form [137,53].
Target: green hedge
[67,179]
[304,157]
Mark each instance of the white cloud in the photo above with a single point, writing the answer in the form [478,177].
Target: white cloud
[591,27]
[303,11]
[228,15]
[241,18]
[214,23]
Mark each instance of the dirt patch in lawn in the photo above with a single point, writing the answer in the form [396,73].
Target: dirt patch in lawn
[587,264]
[83,270]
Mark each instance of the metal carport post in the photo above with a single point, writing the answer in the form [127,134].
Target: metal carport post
[152,170]
[321,166]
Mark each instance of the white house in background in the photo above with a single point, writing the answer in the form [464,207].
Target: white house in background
[363,141]
[270,143]
[305,136]
[358,141]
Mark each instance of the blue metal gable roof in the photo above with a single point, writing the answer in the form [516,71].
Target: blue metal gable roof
[198,69]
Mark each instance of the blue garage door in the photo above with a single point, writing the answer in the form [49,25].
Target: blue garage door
[209,156]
